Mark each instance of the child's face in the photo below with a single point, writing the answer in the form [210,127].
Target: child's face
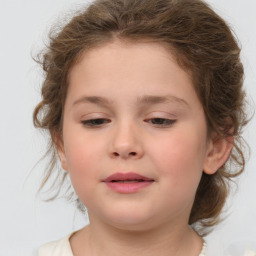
[149,122]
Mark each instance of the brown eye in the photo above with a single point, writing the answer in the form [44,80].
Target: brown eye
[95,122]
[161,121]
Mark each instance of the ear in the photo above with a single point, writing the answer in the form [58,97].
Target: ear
[62,157]
[219,150]
[58,141]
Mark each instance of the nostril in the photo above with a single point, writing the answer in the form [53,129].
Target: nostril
[130,154]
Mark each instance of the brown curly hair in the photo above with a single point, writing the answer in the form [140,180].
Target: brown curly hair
[202,43]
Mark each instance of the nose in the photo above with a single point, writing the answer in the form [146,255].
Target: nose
[126,143]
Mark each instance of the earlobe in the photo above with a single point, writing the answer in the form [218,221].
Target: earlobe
[56,138]
[218,153]
[62,157]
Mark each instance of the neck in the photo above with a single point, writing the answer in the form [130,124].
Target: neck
[99,239]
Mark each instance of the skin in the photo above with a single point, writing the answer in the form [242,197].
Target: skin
[173,150]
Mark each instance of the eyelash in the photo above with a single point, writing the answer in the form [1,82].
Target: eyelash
[167,122]
[94,123]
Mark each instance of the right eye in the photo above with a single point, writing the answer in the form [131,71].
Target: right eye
[95,122]
[161,122]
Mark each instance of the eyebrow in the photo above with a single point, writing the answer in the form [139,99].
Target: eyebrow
[143,100]
[152,99]
[93,99]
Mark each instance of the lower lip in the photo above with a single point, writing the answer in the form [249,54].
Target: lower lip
[126,188]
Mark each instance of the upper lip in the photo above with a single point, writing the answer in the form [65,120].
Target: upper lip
[126,176]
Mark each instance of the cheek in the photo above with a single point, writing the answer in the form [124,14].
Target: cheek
[81,156]
[180,155]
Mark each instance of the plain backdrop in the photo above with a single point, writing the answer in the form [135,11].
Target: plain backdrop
[25,220]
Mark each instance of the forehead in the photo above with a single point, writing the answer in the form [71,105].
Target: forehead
[144,55]
[145,68]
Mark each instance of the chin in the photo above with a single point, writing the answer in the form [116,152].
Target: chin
[130,221]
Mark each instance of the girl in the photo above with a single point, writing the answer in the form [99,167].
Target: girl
[144,103]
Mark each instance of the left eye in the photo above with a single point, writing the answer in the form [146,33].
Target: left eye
[161,121]
[94,122]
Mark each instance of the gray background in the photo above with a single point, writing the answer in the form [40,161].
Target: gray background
[26,222]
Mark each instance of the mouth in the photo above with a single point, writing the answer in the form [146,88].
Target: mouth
[129,177]
[127,182]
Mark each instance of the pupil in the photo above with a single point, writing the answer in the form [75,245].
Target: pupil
[158,120]
[97,121]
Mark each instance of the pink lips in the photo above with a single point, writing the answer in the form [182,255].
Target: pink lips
[127,182]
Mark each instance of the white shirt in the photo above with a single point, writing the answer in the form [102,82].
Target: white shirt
[57,248]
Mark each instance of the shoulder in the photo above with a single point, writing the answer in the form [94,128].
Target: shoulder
[216,247]
[57,248]
[202,253]
[250,253]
